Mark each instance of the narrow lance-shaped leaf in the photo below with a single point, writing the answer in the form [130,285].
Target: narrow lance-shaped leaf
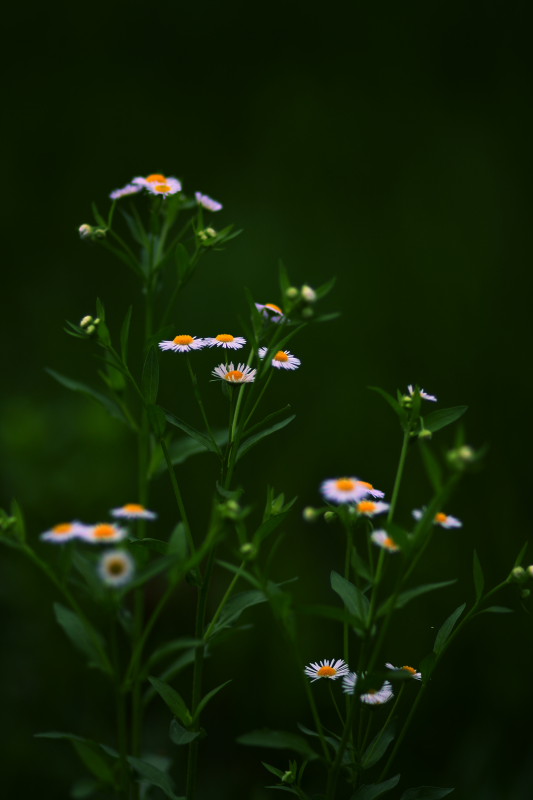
[173,700]
[125,335]
[180,735]
[91,754]
[280,740]
[201,438]
[426,793]
[257,437]
[83,636]
[78,386]
[354,600]
[410,594]
[205,700]
[393,403]
[446,629]
[479,580]
[154,776]
[150,375]
[374,790]
[443,417]
[377,748]
[234,608]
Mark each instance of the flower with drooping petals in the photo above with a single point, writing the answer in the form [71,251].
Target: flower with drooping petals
[116,568]
[327,669]
[382,539]
[64,532]
[240,374]
[424,395]
[130,188]
[270,311]
[283,359]
[207,202]
[417,676]
[182,343]
[104,532]
[373,697]
[444,520]
[226,340]
[369,509]
[133,511]
[348,490]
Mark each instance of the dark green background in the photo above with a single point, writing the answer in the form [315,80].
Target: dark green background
[388,145]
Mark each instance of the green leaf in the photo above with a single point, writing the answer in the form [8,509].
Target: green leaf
[90,754]
[83,788]
[432,466]
[205,700]
[167,649]
[277,772]
[446,629]
[154,776]
[156,420]
[83,636]
[377,747]
[406,597]
[154,545]
[497,610]
[151,571]
[443,417]
[201,438]
[19,527]
[234,608]
[173,700]
[425,793]
[279,740]
[354,600]
[180,450]
[181,736]
[239,571]
[331,612]
[182,261]
[521,554]
[394,404]
[150,375]
[269,526]
[479,579]
[427,665]
[77,386]
[375,790]
[257,437]
[125,335]
[325,288]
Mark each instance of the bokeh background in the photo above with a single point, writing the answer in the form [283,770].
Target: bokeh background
[387,144]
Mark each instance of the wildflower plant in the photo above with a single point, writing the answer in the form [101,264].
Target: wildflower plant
[161,235]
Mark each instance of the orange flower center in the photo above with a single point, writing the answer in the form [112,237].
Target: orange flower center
[410,670]
[345,485]
[224,337]
[272,307]
[366,506]
[365,484]
[134,508]
[183,339]
[234,375]
[281,356]
[388,542]
[116,567]
[104,532]
[156,178]
[162,187]
[440,517]
[326,672]
[63,527]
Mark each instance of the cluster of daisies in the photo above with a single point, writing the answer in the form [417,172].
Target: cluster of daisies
[116,567]
[333,669]
[240,373]
[161,185]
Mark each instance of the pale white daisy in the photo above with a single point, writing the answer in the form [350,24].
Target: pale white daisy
[63,532]
[373,697]
[207,202]
[424,395]
[116,568]
[270,311]
[182,343]
[411,670]
[103,532]
[444,520]
[327,669]
[226,340]
[383,539]
[240,374]
[283,359]
[369,509]
[167,187]
[133,511]
[130,188]
[348,490]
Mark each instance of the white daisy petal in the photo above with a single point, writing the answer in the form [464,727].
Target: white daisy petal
[103,533]
[64,532]
[270,311]
[382,539]
[116,568]
[348,490]
[133,511]
[182,343]
[424,395]
[226,340]
[207,202]
[240,374]
[327,669]
[417,676]
[369,508]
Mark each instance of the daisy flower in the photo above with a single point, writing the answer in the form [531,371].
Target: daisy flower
[207,202]
[64,532]
[130,188]
[133,511]
[383,539]
[369,509]
[182,343]
[226,340]
[373,697]
[424,395]
[165,188]
[104,532]
[411,670]
[116,568]
[282,360]
[327,669]
[348,490]
[444,520]
[270,311]
[241,374]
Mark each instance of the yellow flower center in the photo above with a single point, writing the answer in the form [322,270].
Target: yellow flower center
[326,672]
[410,670]
[272,307]
[281,356]
[366,506]
[162,187]
[440,517]
[104,532]
[63,527]
[388,542]
[345,485]
[116,566]
[234,375]
[365,484]
[156,178]
[133,508]
[183,339]
[224,337]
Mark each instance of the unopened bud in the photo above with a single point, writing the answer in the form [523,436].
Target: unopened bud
[425,434]
[307,313]
[85,321]
[291,292]
[85,231]
[90,329]
[211,232]
[525,593]
[96,321]
[308,294]
[329,516]
[309,514]
[100,233]
[248,551]
[518,575]
[406,401]
[529,570]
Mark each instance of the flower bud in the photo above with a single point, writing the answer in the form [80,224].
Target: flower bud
[96,321]
[291,292]
[329,516]
[406,401]
[90,329]
[518,575]
[309,514]
[529,571]
[99,233]
[308,294]
[248,551]
[85,231]
[85,321]
[307,313]
[525,593]
[425,434]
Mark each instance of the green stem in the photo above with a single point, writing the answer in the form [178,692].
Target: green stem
[197,395]
[399,474]
[223,602]
[177,495]
[334,772]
